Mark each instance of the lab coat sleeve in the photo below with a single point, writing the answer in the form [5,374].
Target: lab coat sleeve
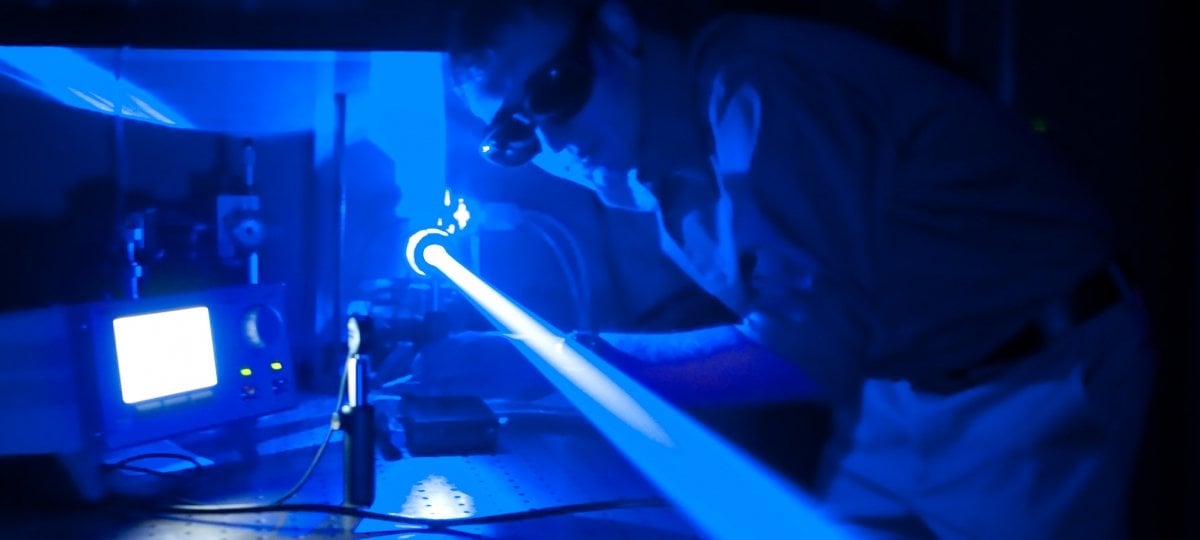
[801,165]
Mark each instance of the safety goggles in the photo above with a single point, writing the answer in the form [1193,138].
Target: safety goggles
[556,92]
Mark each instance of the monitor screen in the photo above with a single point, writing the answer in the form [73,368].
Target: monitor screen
[164,353]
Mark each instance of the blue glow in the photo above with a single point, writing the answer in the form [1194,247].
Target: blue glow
[98,102]
[667,445]
[405,107]
[165,353]
[151,111]
[73,80]
[461,214]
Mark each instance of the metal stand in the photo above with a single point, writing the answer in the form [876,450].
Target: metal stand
[134,236]
[356,419]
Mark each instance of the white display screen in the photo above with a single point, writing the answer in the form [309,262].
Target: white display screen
[164,353]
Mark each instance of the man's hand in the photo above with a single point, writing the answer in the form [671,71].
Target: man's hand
[709,366]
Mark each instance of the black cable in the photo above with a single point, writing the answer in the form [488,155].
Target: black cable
[576,274]
[127,465]
[312,466]
[536,513]
[402,533]
[143,470]
[124,463]
[566,509]
[133,507]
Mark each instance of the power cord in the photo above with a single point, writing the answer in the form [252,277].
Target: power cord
[312,466]
[406,533]
[575,271]
[524,515]
[126,463]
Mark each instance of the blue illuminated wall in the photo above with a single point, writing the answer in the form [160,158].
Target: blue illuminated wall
[184,116]
[406,118]
[58,180]
[395,166]
[392,169]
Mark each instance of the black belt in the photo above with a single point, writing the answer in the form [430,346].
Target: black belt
[1095,293]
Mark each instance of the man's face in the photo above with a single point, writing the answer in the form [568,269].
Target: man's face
[590,140]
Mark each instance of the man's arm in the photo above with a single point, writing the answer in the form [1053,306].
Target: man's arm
[717,365]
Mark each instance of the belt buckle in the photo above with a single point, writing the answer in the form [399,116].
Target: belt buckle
[1057,317]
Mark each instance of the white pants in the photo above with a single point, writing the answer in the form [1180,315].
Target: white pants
[1045,450]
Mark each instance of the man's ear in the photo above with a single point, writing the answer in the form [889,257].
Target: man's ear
[619,27]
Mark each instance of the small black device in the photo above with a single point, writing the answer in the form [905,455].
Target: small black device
[448,425]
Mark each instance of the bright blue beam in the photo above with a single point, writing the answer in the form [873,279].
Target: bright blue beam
[706,478]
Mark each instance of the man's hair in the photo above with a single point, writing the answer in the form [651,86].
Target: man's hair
[477,25]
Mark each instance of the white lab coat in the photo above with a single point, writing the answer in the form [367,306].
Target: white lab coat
[879,223]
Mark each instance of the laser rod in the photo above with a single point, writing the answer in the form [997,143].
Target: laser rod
[720,488]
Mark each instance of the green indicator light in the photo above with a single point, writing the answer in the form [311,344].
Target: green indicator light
[1040,125]
[246,372]
[276,366]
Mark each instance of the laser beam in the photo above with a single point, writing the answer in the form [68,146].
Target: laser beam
[722,489]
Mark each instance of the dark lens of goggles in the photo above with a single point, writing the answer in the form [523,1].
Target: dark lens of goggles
[510,142]
[561,91]
[554,94]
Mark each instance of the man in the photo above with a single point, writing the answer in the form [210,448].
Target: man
[877,224]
